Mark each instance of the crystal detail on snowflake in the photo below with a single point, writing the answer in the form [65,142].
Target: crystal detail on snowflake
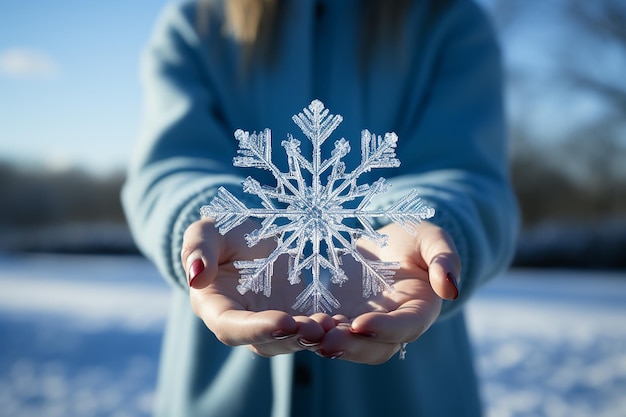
[308,219]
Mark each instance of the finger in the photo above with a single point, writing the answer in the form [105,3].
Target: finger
[324,320]
[340,343]
[444,264]
[240,327]
[308,336]
[340,318]
[200,253]
[312,329]
[442,277]
[405,324]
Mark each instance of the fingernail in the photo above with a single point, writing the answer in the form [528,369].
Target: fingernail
[362,334]
[305,343]
[281,335]
[452,281]
[195,269]
[334,355]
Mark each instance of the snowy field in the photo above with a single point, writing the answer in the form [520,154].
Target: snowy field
[80,338]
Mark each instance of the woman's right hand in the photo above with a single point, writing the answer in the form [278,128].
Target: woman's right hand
[267,325]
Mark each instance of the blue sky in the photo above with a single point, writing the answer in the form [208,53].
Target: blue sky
[70,93]
[69,85]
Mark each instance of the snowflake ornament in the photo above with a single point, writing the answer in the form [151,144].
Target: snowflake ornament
[310,220]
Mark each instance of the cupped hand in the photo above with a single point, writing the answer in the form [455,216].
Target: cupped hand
[372,331]
[363,330]
[267,325]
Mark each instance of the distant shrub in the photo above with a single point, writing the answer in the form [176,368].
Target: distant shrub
[32,197]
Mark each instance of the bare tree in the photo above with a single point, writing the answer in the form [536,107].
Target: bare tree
[582,173]
[601,70]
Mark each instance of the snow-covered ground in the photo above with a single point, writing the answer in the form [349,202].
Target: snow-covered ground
[75,341]
[552,344]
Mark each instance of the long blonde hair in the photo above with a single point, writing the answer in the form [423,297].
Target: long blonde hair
[247,20]
[251,23]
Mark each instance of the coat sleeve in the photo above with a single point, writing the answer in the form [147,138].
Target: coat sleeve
[184,150]
[453,149]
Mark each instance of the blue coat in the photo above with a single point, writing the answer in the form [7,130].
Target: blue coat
[440,91]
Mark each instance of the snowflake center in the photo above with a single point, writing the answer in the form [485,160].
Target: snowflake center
[316,212]
[316,207]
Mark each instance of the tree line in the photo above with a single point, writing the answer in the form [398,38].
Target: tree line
[34,197]
[547,190]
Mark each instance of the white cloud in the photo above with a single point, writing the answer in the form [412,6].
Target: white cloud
[27,63]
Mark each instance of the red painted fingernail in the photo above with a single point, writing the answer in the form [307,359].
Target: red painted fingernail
[362,334]
[305,343]
[333,355]
[281,334]
[452,281]
[195,269]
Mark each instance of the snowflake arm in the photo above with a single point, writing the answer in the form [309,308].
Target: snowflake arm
[255,151]
[409,212]
[256,275]
[376,274]
[227,210]
[316,123]
[376,152]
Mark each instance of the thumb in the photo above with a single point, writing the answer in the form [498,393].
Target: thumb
[443,260]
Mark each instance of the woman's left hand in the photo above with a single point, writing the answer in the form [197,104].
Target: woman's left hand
[372,330]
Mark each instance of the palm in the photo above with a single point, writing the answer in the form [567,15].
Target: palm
[411,281]
[413,299]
